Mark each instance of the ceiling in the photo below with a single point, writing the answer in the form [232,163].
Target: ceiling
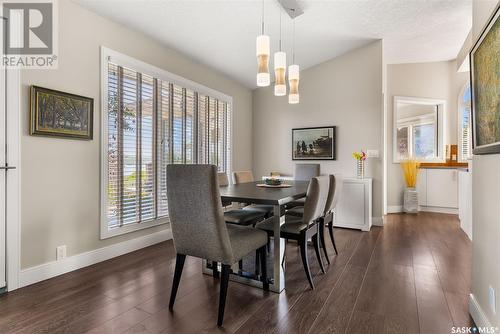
[221,33]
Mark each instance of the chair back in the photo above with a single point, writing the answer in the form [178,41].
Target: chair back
[243,176]
[316,196]
[223,179]
[305,172]
[195,211]
[336,183]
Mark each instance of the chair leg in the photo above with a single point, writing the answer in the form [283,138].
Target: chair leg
[257,262]
[263,268]
[179,264]
[305,261]
[330,229]
[215,270]
[284,255]
[322,239]
[223,292]
[315,240]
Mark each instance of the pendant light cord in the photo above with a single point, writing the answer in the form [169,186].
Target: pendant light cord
[262,17]
[280,29]
[293,39]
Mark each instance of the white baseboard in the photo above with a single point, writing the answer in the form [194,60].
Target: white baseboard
[399,209]
[438,209]
[394,209]
[55,268]
[477,313]
[377,221]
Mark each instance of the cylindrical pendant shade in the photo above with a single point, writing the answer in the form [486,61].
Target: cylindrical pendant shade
[280,73]
[263,50]
[293,81]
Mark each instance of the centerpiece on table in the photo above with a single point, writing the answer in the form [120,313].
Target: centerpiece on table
[360,163]
[273,181]
[410,169]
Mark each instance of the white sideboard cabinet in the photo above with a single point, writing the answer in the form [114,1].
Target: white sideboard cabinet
[354,209]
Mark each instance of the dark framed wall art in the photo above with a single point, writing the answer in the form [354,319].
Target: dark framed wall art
[56,113]
[316,143]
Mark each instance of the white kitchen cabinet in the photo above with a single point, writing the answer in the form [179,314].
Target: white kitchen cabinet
[438,189]
[442,188]
[465,201]
[354,209]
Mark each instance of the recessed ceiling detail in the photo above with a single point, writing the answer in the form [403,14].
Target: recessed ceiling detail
[221,34]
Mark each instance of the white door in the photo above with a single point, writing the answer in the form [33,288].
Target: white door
[3,178]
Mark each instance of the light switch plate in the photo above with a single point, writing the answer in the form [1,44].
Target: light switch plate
[492,300]
[373,154]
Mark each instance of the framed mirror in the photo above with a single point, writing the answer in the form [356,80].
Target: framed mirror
[418,130]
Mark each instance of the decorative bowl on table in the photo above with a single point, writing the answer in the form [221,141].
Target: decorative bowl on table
[273,181]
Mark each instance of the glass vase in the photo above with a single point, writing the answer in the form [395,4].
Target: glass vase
[360,169]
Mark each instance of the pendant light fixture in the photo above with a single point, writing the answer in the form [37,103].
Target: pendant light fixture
[263,51]
[280,70]
[293,74]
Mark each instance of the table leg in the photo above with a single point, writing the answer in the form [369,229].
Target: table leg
[279,252]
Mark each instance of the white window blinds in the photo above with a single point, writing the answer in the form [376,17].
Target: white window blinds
[152,123]
[464,109]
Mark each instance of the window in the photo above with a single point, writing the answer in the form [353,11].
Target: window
[416,134]
[152,118]
[464,124]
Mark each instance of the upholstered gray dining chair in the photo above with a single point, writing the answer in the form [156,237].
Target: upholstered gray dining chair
[245,177]
[336,182]
[306,227]
[334,191]
[305,172]
[239,216]
[199,229]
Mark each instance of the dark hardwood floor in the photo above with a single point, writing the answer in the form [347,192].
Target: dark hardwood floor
[411,276]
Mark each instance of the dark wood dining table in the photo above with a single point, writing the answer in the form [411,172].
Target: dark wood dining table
[250,193]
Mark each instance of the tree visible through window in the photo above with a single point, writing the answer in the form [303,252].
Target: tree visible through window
[464,110]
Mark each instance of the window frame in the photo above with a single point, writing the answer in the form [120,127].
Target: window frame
[109,55]
[442,119]
[459,124]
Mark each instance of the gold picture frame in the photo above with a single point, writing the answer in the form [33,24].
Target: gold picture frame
[485,83]
[60,114]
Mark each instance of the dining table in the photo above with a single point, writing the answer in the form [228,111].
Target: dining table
[254,193]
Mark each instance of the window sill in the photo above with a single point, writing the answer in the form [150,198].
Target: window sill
[116,231]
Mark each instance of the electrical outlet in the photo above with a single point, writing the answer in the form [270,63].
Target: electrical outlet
[60,252]
[492,300]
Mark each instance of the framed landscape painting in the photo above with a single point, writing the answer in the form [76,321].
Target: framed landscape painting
[314,143]
[485,80]
[55,113]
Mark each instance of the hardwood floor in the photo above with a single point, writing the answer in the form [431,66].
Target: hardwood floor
[411,276]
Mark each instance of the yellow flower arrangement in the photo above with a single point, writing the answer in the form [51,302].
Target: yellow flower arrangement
[410,170]
[359,155]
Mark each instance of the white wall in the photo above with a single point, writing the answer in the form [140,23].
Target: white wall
[437,80]
[485,206]
[346,92]
[60,177]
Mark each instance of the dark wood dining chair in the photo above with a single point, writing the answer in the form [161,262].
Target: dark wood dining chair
[306,227]
[199,229]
